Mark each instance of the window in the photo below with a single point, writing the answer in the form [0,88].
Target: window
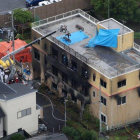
[103,84]
[45,46]
[37,55]
[121,100]
[54,53]
[73,83]
[94,77]
[73,66]
[84,73]
[64,77]
[84,91]
[103,100]
[24,113]
[64,60]
[122,83]
[103,118]
[45,60]
[55,70]
[93,93]
[54,85]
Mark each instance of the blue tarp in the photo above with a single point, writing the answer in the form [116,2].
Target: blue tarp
[106,38]
[75,37]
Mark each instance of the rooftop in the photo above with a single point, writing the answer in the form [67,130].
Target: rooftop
[103,59]
[114,24]
[15,90]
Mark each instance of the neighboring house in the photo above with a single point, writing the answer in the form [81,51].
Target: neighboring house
[2,115]
[76,70]
[18,103]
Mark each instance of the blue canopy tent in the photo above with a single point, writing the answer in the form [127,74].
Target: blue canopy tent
[105,37]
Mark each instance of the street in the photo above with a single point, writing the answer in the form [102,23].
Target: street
[47,113]
[8,5]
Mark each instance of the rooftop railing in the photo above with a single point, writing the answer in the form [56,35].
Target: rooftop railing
[63,16]
[110,74]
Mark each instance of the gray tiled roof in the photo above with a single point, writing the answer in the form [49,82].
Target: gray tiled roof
[8,92]
[2,114]
[56,136]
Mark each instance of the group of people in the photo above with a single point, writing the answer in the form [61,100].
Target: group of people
[3,76]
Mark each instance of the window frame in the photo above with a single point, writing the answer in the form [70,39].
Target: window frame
[102,114]
[120,84]
[120,100]
[103,101]
[103,83]
[25,112]
[93,93]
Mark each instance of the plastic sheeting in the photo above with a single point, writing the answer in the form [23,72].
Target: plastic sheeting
[75,38]
[106,38]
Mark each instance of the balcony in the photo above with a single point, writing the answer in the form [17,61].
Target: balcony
[67,88]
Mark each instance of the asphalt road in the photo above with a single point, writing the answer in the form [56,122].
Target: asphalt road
[47,113]
[8,5]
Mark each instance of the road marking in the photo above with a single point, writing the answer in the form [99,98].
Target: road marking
[46,106]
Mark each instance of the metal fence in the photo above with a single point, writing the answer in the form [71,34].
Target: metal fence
[63,16]
[136,46]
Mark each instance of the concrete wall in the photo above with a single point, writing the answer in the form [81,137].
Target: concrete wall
[117,115]
[12,123]
[1,127]
[52,9]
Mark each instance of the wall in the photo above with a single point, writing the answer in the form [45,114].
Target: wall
[1,127]
[29,123]
[52,9]
[117,115]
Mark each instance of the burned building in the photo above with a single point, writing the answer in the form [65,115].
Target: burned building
[67,65]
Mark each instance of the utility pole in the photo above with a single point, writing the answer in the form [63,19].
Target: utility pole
[13,44]
[100,110]
[65,112]
[108,13]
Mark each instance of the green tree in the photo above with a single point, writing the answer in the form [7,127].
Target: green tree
[22,16]
[17,137]
[119,9]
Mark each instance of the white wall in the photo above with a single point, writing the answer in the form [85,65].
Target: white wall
[12,123]
[1,127]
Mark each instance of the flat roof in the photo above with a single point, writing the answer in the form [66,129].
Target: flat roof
[11,91]
[114,24]
[104,59]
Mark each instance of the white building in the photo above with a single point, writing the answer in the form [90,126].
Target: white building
[18,103]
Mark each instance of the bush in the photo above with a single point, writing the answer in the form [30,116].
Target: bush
[72,132]
[17,137]
[87,135]
[73,106]
[87,116]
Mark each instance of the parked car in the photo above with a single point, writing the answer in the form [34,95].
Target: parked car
[30,3]
[44,3]
[47,2]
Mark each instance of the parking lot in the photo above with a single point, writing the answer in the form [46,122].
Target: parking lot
[8,5]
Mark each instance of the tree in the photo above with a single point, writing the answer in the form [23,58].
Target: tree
[119,9]
[17,137]
[22,16]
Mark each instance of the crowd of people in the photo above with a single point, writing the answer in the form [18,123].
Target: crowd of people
[19,77]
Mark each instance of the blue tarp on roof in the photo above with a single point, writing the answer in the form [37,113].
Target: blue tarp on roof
[106,38]
[75,37]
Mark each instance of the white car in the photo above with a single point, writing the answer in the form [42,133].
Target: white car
[47,2]
[44,3]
